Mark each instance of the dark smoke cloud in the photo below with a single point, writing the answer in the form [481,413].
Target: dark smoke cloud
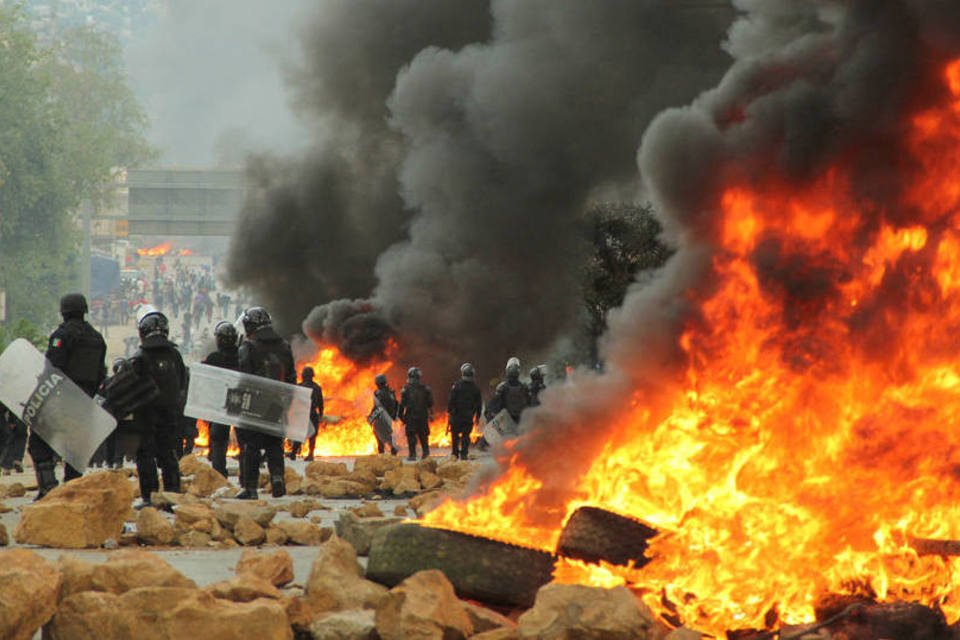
[313,226]
[812,81]
[503,144]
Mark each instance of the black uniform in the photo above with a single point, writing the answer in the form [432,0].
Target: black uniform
[512,395]
[225,358]
[268,355]
[416,403]
[464,408]
[388,400]
[159,421]
[14,442]
[79,351]
[536,386]
[316,414]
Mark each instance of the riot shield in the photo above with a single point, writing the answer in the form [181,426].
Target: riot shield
[501,427]
[54,408]
[248,402]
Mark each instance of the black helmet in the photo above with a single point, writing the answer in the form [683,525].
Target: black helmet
[73,304]
[381,380]
[225,334]
[256,318]
[513,368]
[536,373]
[413,373]
[307,373]
[466,371]
[152,325]
[118,364]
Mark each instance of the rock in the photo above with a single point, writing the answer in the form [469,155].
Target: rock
[423,607]
[368,510]
[123,571]
[406,486]
[82,513]
[430,480]
[682,633]
[206,481]
[167,500]
[299,615]
[166,612]
[228,513]
[456,470]
[292,481]
[153,528]
[243,588]
[29,591]
[190,463]
[484,619]
[301,508]
[400,510]
[378,465]
[503,633]
[247,532]
[345,625]
[196,517]
[4,537]
[4,508]
[563,611]
[276,567]
[425,502]
[407,474]
[335,487]
[302,533]
[275,535]
[365,478]
[336,580]
[429,465]
[320,468]
[193,539]
[16,490]
[359,531]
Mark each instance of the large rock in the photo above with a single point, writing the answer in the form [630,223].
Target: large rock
[359,531]
[423,607]
[196,518]
[364,477]
[243,588]
[321,468]
[426,502]
[122,572]
[563,611]
[206,481]
[247,532]
[378,465]
[276,567]
[345,625]
[335,487]
[229,512]
[456,470]
[85,512]
[336,580]
[292,481]
[303,533]
[430,481]
[161,613]
[29,590]
[405,476]
[190,463]
[484,619]
[153,528]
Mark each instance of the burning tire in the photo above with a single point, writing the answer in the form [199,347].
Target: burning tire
[479,568]
[593,534]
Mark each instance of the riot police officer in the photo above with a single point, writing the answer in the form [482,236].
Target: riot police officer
[226,357]
[464,408]
[536,385]
[416,409]
[316,412]
[79,351]
[511,394]
[385,398]
[264,353]
[159,360]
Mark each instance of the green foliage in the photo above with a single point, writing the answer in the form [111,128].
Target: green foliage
[67,120]
[625,241]
[23,328]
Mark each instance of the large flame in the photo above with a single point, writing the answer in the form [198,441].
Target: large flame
[815,430]
[161,249]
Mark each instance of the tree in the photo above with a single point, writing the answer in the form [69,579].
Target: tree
[67,119]
[624,240]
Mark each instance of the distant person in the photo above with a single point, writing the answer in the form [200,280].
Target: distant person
[464,408]
[316,413]
[79,351]
[226,357]
[536,385]
[385,399]
[511,394]
[416,409]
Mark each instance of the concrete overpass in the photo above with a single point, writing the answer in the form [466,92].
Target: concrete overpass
[184,202]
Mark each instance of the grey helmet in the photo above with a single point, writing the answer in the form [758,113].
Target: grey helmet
[73,304]
[513,368]
[466,371]
[225,334]
[537,373]
[381,381]
[118,364]
[413,374]
[153,325]
[255,319]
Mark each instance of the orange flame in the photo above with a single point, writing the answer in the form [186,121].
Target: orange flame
[161,249]
[812,433]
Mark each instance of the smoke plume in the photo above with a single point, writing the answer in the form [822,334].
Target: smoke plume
[496,145]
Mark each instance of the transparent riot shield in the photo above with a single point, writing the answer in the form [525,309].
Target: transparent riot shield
[48,402]
[248,402]
[499,428]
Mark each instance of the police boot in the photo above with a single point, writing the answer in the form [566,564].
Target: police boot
[46,478]
[147,477]
[249,481]
[171,476]
[249,492]
[277,488]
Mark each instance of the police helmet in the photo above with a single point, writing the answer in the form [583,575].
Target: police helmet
[118,364]
[381,380]
[255,319]
[307,373]
[466,371]
[513,368]
[225,334]
[153,325]
[413,374]
[73,304]
[536,373]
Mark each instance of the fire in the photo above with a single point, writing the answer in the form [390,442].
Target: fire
[201,443]
[348,397]
[814,430]
[161,249]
